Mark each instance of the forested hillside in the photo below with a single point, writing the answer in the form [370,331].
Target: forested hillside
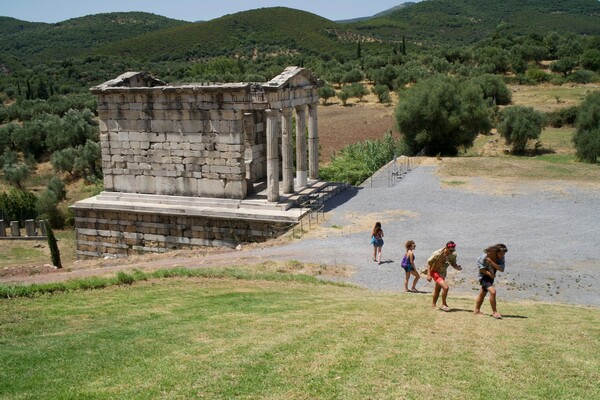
[267,30]
[32,43]
[455,22]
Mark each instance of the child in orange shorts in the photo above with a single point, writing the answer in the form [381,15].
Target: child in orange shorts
[437,265]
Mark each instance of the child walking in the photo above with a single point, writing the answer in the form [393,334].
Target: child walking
[491,261]
[377,242]
[408,263]
[437,265]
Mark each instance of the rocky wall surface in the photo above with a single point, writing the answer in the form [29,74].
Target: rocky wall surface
[163,143]
[113,233]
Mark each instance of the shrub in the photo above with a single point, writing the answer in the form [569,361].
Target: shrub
[583,76]
[58,187]
[356,162]
[352,76]
[565,116]
[17,205]
[358,90]
[344,94]
[124,278]
[587,136]
[441,114]
[519,124]
[590,59]
[382,92]
[326,92]
[47,209]
[564,66]
[536,75]
[494,89]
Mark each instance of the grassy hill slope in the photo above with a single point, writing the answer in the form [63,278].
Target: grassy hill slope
[243,334]
[35,42]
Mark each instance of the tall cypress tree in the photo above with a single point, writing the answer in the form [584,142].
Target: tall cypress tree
[53,245]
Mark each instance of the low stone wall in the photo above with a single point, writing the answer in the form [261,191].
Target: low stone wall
[115,233]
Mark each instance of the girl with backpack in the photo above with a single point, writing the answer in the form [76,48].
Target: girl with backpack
[408,263]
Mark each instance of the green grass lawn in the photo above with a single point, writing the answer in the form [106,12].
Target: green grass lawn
[221,338]
[35,252]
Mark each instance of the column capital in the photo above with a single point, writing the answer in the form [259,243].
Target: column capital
[272,112]
[312,106]
[286,112]
[300,108]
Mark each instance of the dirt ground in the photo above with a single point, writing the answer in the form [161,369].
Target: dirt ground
[340,125]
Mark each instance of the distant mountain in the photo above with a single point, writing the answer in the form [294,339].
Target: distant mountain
[379,14]
[40,41]
[281,30]
[467,21]
[393,9]
[10,25]
[265,30]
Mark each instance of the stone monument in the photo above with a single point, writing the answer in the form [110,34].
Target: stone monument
[199,164]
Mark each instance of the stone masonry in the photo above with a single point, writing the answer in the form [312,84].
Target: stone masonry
[178,159]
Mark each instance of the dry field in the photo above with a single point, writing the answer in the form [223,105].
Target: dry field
[341,125]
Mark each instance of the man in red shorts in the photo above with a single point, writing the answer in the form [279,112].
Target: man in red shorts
[437,265]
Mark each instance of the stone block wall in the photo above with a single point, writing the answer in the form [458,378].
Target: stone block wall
[158,142]
[114,233]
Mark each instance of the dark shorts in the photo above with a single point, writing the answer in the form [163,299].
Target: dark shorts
[408,267]
[486,282]
[377,242]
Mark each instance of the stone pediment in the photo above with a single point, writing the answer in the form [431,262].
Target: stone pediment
[131,80]
[293,77]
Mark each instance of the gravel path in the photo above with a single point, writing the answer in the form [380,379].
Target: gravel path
[551,232]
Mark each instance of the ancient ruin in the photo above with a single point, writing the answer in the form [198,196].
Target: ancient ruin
[200,164]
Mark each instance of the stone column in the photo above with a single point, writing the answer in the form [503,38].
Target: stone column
[313,142]
[286,151]
[14,229]
[301,146]
[2,228]
[30,228]
[272,155]
[42,228]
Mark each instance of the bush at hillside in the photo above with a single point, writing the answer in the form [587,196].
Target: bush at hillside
[587,136]
[519,124]
[17,205]
[442,114]
[357,162]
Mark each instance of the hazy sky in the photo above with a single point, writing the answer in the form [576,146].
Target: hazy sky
[187,10]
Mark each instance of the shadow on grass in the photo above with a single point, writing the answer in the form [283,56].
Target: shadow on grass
[458,310]
[504,316]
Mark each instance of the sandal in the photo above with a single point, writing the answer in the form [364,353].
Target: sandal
[445,308]
[497,316]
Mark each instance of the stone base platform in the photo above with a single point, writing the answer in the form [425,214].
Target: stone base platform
[114,224]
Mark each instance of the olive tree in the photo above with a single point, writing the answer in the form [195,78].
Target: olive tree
[519,124]
[326,92]
[587,136]
[442,114]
